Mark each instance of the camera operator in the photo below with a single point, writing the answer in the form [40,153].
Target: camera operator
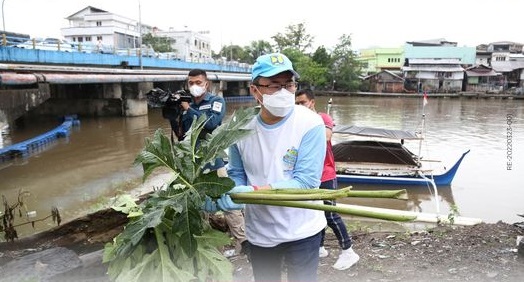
[214,107]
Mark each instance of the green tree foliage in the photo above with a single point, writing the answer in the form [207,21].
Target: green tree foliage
[345,68]
[234,53]
[321,57]
[159,44]
[257,48]
[296,37]
[311,73]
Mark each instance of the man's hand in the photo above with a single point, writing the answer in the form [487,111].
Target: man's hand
[226,204]
[184,105]
[241,189]
[209,205]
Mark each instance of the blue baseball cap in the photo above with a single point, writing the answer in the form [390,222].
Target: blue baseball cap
[272,64]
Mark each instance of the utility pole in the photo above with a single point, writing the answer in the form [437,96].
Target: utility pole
[3,18]
[140,36]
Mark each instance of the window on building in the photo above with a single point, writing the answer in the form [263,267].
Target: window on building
[98,23]
[88,38]
[99,38]
[196,43]
[80,39]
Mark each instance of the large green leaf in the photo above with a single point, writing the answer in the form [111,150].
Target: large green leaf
[212,185]
[171,241]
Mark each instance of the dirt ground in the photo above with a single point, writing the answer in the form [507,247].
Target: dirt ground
[483,252]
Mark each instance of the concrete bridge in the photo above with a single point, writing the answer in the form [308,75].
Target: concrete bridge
[62,83]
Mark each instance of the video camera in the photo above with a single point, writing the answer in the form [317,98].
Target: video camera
[157,97]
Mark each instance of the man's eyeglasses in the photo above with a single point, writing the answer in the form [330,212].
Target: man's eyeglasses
[275,87]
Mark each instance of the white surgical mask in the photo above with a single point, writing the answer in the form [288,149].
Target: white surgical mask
[197,91]
[279,103]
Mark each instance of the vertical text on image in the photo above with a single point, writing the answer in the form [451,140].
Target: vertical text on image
[509,142]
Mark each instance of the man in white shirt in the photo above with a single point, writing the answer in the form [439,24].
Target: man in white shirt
[286,150]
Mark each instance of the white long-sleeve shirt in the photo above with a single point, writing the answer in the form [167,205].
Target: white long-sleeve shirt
[288,154]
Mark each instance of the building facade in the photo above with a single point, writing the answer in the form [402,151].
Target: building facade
[189,45]
[102,27]
[375,60]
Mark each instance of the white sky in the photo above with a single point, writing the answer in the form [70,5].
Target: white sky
[378,23]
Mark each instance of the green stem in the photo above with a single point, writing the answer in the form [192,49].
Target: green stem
[319,194]
[293,194]
[299,191]
[341,210]
[395,194]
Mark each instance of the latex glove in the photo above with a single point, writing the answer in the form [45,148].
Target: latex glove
[209,205]
[226,204]
[241,189]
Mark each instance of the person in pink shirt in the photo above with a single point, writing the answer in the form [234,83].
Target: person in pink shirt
[347,256]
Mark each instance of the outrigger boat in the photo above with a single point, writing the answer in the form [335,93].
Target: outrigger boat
[373,161]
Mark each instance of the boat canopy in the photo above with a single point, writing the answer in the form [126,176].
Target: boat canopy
[376,132]
[374,152]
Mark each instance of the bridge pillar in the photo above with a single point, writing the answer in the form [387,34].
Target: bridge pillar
[133,98]
[233,88]
[15,103]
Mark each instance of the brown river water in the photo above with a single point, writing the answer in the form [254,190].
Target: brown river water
[79,174]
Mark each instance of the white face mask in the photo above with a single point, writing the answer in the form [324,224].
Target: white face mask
[197,91]
[279,103]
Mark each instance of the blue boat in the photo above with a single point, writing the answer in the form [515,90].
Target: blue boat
[374,161]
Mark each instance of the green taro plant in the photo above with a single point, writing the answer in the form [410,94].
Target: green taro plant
[168,237]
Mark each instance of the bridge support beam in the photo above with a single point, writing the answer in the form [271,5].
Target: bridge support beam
[15,103]
[233,88]
[133,98]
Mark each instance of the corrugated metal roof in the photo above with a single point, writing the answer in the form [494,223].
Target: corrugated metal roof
[507,66]
[490,73]
[433,68]
[447,61]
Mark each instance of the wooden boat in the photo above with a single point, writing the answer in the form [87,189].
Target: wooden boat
[374,161]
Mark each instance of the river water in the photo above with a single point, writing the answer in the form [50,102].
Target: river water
[80,173]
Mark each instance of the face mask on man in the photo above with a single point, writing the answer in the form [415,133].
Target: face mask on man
[279,103]
[196,90]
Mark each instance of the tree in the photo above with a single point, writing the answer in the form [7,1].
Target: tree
[311,73]
[159,44]
[257,48]
[295,37]
[322,57]
[234,53]
[345,68]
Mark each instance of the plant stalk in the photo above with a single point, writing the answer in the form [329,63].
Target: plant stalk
[322,207]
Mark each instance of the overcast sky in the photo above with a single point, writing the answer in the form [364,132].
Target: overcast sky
[383,23]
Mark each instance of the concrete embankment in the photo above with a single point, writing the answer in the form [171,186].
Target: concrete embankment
[414,95]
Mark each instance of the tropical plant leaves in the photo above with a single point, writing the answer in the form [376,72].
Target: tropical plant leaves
[171,241]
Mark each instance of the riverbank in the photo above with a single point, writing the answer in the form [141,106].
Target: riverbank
[389,251]
[471,95]
[483,252]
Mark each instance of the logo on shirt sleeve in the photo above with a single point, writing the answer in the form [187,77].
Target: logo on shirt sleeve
[289,159]
[217,106]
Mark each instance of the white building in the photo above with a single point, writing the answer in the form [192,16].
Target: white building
[189,45]
[99,26]
[96,25]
